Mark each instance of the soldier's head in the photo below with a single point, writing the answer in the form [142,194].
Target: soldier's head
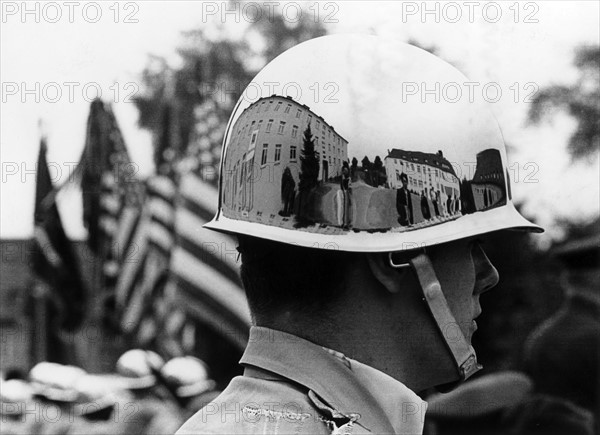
[366,306]
[395,287]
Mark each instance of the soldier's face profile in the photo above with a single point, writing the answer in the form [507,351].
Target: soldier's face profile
[464,272]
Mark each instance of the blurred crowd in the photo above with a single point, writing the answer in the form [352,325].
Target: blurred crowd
[144,395]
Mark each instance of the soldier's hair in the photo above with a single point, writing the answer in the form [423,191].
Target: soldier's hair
[279,277]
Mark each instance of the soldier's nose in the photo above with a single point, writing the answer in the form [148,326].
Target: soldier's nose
[486,275]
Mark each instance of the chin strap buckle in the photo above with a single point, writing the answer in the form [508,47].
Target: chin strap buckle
[469,367]
[462,352]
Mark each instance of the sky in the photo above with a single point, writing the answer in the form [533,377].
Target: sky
[62,57]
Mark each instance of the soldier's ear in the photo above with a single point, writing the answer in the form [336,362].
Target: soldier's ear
[388,276]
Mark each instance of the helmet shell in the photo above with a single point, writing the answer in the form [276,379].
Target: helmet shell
[360,143]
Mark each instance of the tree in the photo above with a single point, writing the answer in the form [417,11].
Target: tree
[309,163]
[377,164]
[309,174]
[579,100]
[215,68]
[377,172]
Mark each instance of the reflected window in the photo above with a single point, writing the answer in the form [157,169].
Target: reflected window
[318,125]
[278,106]
[287,109]
[294,131]
[277,153]
[281,127]
[298,113]
[269,125]
[293,153]
[265,150]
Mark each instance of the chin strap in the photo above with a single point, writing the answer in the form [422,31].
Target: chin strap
[462,351]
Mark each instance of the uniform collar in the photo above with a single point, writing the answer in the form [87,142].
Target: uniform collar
[347,386]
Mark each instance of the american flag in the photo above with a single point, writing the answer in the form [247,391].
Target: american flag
[203,281]
[177,274]
[54,260]
[204,284]
[112,197]
[141,281]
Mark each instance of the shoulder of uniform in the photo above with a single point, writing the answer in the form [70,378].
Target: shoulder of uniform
[250,405]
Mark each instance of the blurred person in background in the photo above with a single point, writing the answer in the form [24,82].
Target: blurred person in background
[562,355]
[503,403]
[189,380]
[137,368]
[540,414]
[477,407]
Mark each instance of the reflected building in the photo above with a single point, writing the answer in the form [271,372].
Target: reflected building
[429,175]
[488,184]
[264,155]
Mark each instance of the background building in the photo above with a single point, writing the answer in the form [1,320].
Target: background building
[266,139]
[425,171]
[488,185]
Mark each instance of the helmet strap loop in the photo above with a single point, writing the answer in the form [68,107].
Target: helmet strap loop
[462,352]
[396,265]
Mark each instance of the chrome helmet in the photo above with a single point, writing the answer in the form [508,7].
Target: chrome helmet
[364,144]
[359,143]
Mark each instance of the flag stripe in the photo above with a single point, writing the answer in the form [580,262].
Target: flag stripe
[110,204]
[133,263]
[161,212]
[160,237]
[209,255]
[141,308]
[210,313]
[128,221]
[213,284]
[196,209]
[197,191]
[190,230]
[162,186]
[141,297]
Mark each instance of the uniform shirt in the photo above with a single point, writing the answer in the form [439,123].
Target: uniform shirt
[293,386]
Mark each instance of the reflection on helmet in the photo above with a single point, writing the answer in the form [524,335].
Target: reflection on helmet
[346,157]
